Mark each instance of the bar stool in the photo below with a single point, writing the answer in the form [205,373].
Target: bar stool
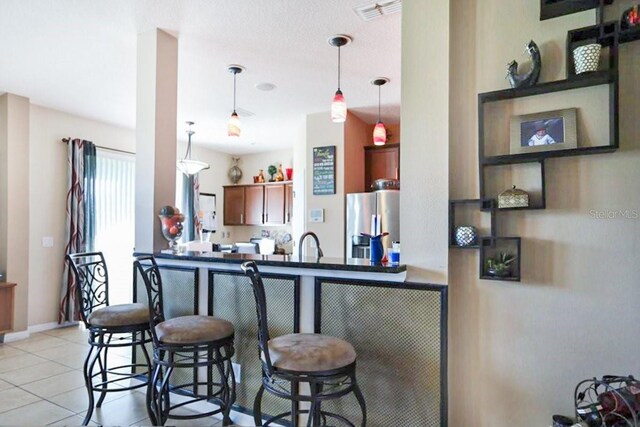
[327,364]
[186,342]
[109,326]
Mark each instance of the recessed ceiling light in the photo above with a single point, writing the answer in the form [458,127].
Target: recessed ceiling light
[265,87]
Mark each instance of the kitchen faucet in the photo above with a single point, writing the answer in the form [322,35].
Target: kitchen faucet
[315,237]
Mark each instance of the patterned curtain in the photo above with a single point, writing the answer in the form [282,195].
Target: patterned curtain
[80,226]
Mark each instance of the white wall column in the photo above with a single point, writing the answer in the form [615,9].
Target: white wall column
[14,200]
[156,111]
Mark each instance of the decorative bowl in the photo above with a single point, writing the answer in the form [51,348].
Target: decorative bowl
[587,58]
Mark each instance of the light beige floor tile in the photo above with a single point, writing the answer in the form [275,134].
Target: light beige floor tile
[197,422]
[5,385]
[7,351]
[76,420]
[61,352]
[77,400]
[22,361]
[38,342]
[124,411]
[35,414]
[75,361]
[73,334]
[34,373]
[14,398]
[56,385]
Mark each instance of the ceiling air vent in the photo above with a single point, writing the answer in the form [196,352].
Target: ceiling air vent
[243,113]
[371,11]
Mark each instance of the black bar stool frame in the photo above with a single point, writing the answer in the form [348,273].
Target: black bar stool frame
[324,385]
[168,357]
[92,294]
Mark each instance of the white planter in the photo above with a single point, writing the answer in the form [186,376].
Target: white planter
[586,58]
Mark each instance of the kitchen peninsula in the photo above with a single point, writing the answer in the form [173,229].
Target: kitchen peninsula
[397,328]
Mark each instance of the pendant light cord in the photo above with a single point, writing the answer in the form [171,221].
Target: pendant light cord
[234,91]
[379,89]
[338,67]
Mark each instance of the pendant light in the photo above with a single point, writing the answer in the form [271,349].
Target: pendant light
[188,166]
[339,106]
[234,127]
[379,131]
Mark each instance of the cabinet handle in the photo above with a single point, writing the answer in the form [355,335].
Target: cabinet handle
[241,218]
[288,217]
[397,177]
[266,217]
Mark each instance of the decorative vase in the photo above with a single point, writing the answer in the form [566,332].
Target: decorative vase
[289,174]
[235,173]
[587,58]
[171,227]
[466,235]
[376,251]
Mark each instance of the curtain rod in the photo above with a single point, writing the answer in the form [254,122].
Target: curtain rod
[66,141]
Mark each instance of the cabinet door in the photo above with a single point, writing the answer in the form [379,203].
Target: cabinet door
[381,163]
[253,205]
[288,203]
[274,200]
[233,206]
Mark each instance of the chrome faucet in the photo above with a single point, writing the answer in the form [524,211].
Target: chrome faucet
[315,237]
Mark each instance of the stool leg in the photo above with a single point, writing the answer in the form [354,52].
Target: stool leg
[229,391]
[257,407]
[295,386]
[311,419]
[87,370]
[102,362]
[360,397]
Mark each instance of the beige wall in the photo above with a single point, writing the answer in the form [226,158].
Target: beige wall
[14,200]
[425,130]
[321,131]
[517,350]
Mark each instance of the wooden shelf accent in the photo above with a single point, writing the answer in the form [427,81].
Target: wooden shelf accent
[484,205]
[491,246]
[6,306]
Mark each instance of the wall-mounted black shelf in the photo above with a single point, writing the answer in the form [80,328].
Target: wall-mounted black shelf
[484,205]
[511,159]
[554,8]
[490,247]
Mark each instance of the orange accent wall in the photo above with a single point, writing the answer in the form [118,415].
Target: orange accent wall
[357,134]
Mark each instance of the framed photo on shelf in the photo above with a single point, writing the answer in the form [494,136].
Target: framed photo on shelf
[546,131]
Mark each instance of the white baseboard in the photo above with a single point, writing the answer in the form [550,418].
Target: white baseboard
[21,335]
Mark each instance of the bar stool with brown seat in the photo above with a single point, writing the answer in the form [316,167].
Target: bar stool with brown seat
[186,342]
[326,363]
[109,326]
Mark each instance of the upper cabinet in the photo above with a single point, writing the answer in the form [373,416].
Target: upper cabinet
[381,162]
[259,204]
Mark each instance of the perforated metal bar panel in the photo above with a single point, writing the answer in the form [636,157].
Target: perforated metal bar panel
[397,336]
[232,299]
[179,287]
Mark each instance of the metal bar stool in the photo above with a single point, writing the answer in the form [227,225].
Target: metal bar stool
[327,364]
[110,326]
[186,342]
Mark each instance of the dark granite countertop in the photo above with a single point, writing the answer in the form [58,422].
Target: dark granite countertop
[348,264]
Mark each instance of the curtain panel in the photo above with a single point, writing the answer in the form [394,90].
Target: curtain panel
[80,218]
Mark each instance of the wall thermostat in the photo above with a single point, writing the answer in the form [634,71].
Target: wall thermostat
[316,215]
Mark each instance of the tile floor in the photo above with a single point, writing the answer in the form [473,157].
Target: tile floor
[41,383]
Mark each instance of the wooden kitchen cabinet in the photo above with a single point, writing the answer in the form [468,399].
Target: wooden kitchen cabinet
[274,200]
[381,162]
[233,205]
[253,205]
[288,203]
[6,306]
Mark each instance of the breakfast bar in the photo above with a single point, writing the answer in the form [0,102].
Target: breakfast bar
[398,328]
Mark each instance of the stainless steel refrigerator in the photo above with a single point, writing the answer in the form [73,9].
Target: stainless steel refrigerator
[362,208]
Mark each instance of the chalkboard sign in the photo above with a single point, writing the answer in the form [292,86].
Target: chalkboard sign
[324,170]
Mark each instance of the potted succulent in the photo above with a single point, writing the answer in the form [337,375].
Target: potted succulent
[500,266]
[272,171]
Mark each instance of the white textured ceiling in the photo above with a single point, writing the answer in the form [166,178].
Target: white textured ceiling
[79,56]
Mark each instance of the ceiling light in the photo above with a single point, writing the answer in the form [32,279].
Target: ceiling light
[339,106]
[379,131]
[234,126]
[188,166]
[265,87]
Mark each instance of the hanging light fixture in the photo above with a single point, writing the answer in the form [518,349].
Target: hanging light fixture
[234,126]
[188,166]
[339,106]
[379,131]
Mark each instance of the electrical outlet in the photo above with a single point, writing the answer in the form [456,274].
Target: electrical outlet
[237,371]
[47,242]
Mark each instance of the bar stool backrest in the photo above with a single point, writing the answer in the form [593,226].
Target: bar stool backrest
[148,268]
[90,282]
[251,269]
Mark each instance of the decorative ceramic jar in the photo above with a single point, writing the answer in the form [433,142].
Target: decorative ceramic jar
[466,235]
[586,58]
[235,173]
[513,198]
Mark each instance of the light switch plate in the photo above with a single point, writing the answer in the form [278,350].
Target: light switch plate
[316,215]
[47,242]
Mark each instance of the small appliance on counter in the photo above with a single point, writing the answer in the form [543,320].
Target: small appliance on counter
[265,246]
